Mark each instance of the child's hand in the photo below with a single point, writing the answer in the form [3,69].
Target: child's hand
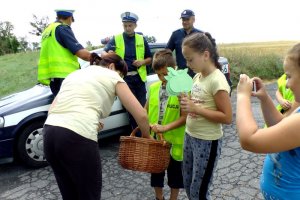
[187,105]
[100,126]
[285,104]
[244,85]
[260,88]
[157,128]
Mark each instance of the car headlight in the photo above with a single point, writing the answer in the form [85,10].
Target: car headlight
[1,122]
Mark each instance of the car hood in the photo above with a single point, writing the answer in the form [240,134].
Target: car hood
[38,95]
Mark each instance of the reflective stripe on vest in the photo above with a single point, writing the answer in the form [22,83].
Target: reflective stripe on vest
[139,51]
[55,60]
[171,114]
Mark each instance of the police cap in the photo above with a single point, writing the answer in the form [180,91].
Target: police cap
[187,14]
[129,17]
[63,12]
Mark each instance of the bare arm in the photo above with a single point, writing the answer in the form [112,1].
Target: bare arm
[83,54]
[147,61]
[179,122]
[278,96]
[146,107]
[280,137]
[271,115]
[175,124]
[134,107]
[223,114]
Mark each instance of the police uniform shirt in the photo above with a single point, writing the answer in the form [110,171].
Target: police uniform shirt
[66,38]
[175,44]
[130,54]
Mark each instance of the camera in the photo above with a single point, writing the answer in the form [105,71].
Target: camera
[253,86]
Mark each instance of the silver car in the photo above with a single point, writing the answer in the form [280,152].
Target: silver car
[22,116]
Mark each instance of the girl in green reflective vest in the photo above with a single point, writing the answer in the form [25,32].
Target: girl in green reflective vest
[165,117]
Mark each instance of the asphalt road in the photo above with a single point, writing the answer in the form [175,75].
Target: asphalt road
[237,175]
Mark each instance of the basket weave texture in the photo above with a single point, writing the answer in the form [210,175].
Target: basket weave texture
[145,155]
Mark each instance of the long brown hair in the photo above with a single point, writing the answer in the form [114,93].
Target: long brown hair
[109,58]
[201,42]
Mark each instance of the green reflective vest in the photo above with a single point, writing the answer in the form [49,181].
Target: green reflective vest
[55,60]
[172,113]
[285,92]
[139,51]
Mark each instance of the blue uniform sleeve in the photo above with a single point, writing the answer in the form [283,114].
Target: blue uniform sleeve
[66,38]
[147,49]
[171,43]
[111,45]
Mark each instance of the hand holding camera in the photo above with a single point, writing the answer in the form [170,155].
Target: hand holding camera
[254,86]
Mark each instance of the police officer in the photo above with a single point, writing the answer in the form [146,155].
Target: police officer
[59,51]
[175,41]
[134,49]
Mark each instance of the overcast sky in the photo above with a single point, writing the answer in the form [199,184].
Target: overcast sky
[229,21]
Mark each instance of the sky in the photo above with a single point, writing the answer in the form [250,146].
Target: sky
[228,21]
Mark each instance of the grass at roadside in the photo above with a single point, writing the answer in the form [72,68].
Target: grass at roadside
[18,72]
[263,59]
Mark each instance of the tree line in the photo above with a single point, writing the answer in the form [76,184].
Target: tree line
[9,43]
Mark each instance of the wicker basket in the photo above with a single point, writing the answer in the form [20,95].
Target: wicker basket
[142,154]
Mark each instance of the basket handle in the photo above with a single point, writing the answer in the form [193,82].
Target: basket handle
[161,137]
[136,129]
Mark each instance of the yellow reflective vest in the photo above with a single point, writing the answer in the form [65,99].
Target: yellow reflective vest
[139,51]
[285,92]
[55,60]
[171,114]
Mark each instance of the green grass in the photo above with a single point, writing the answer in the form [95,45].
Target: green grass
[264,59]
[18,72]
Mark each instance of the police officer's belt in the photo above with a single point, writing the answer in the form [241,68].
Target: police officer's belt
[132,73]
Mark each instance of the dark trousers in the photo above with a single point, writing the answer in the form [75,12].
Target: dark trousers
[55,85]
[138,88]
[75,161]
[174,173]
